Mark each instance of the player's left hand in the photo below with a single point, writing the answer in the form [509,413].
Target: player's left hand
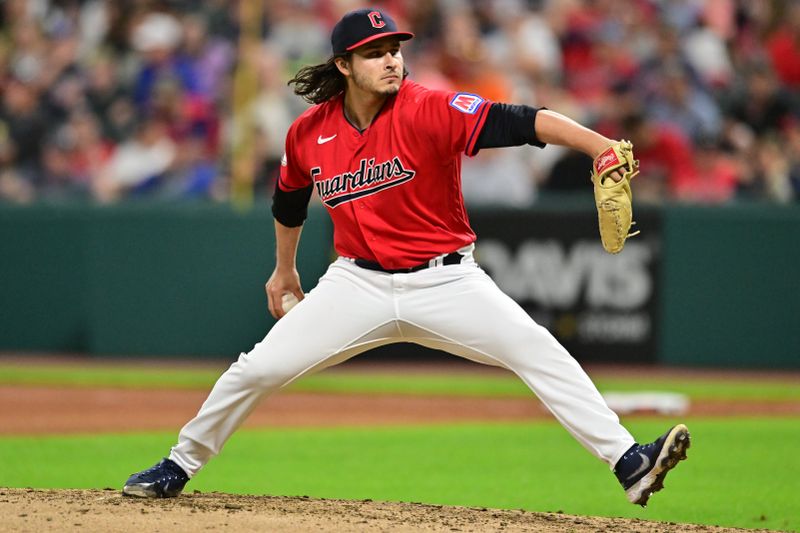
[616,175]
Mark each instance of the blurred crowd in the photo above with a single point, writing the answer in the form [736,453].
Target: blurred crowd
[109,100]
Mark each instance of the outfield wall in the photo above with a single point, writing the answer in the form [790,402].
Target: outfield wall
[700,286]
[142,279]
[732,286]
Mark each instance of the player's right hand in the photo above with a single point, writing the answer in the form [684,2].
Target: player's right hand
[282,282]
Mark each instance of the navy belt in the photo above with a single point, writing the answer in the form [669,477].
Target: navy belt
[450,259]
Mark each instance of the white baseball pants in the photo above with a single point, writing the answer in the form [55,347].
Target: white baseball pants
[455,308]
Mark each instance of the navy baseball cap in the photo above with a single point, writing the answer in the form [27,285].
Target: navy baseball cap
[362,26]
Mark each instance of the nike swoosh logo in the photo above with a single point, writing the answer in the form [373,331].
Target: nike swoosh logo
[323,140]
[644,466]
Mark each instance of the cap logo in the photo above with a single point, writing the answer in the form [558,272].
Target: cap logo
[376,19]
[363,26]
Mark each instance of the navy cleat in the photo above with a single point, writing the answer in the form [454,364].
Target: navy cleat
[164,480]
[642,469]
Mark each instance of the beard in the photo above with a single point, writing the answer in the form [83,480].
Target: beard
[367,85]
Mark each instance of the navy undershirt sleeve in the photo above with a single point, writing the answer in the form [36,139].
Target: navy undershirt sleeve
[291,208]
[509,125]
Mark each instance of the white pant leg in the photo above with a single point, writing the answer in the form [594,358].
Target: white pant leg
[465,313]
[349,311]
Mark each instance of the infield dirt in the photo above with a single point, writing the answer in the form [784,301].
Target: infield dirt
[53,409]
[107,510]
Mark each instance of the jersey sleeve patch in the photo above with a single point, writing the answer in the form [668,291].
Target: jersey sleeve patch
[466,102]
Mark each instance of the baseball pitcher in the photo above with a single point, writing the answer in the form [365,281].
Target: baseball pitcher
[384,155]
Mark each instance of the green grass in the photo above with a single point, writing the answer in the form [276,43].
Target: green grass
[740,472]
[134,377]
[384,382]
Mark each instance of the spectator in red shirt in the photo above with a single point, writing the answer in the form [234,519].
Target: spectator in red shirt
[665,156]
[784,47]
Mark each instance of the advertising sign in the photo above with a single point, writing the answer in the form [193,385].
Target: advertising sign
[601,307]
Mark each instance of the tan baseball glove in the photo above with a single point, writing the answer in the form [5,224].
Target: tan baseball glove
[613,198]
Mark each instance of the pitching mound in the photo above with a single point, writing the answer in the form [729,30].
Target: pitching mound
[107,510]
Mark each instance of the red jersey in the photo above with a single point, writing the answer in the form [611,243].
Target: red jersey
[393,191]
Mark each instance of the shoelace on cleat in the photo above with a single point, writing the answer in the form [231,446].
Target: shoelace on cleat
[168,473]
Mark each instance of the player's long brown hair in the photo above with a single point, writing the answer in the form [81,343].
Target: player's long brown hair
[319,83]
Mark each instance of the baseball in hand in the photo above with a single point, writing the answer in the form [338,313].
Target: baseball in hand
[289,300]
